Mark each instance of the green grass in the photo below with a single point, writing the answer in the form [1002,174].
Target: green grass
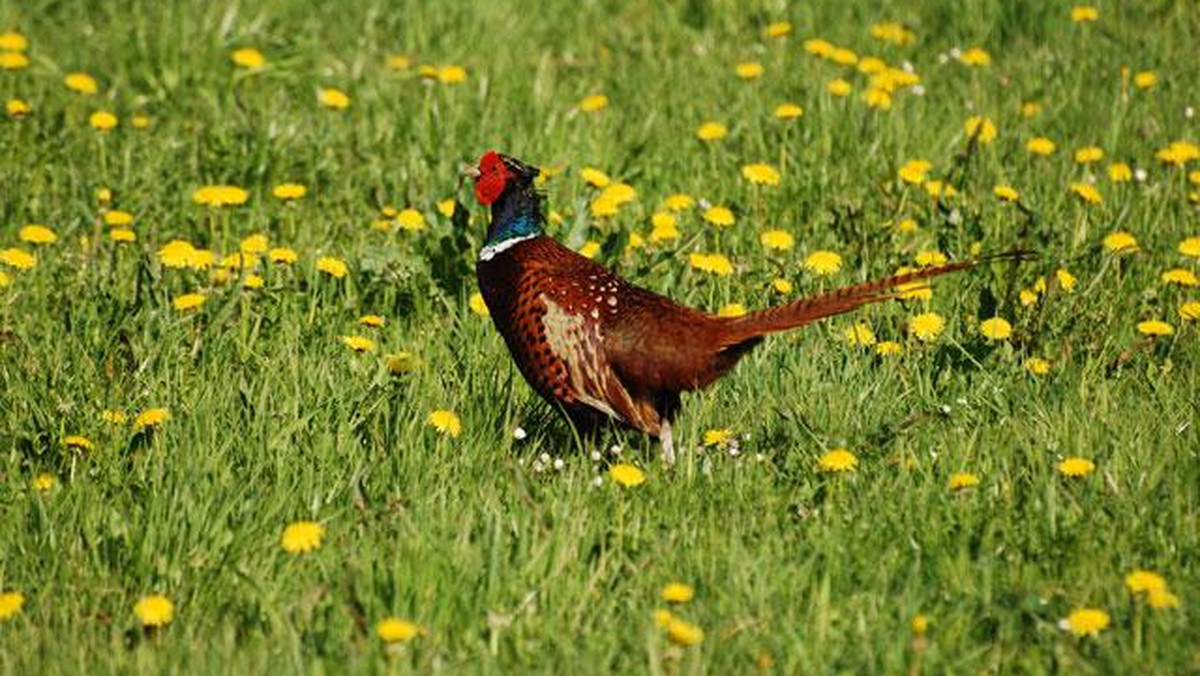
[514,569]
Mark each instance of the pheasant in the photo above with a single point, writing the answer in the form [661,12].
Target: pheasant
[601,349]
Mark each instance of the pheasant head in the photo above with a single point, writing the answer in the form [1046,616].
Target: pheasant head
[507,185]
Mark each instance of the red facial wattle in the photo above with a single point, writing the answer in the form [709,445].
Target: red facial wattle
[493,177]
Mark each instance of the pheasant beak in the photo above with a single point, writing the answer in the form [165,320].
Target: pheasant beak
[466,172]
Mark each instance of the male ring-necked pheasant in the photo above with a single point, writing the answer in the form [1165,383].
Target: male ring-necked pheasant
[601,348]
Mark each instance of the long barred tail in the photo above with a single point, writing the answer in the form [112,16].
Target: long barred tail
[845,299]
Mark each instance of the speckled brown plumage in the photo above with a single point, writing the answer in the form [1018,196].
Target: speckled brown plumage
[601,348]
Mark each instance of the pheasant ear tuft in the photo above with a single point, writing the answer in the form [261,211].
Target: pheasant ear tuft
[493,178]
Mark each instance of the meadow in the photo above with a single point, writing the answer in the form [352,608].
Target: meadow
[254,416]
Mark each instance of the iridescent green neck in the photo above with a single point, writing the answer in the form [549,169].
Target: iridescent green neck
[516,215]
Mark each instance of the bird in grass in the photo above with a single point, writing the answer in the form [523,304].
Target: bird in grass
[602,349]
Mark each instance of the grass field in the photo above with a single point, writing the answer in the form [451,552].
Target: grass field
[957,542]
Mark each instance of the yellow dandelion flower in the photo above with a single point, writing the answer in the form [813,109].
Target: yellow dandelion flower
[1088,155]
[1190,311]
[359,343]
[1155,327]
[975,56]
[749,71]
[926,327]
[372,321]
[860,334]
[283,255]
[1178,153]
[154,610]
[411,220]
[915,171]
[11,603]
[589,249]
[177,253]
[1190,247]
[141,122]
[16,108]
[663,227]
[684,633]
[1160,599]
[13,61]
[248,57]
[446,422]
[870,65]
[102,120]
[332,266]
[778,29]
[81,83]
[12,41]
[594,177]
[37,234]
[1040,145]
[893,33]
[718,437]
[676,592]
[447,207]
[679,202]
[716,264]
[788,111]
[838,460]
[1037,366]
[839,88]
[760,174]
[1146,79]
[252,245]
[823,263]
[451,74]
[477,305]
[1076,467]
[995,329]
[43,483]
[711,131]
[888,348]
[220,195]
[593,103]
[940,190]
[1119,172]
[396,630]
[150,418]
[627,475]
[254,282]
[961,480]
[916,290]
[719,216]
[843,56]
[77,442]
[188,301]
[877,98]
[732,310]
[777,240]
[1086,622]
[927,259]
[782,285]
[1087,194]
[1120,241]
[1084,14]
[289,191]
[333,98]
[114,417]
[1066,280]
[399,61]
[1006,193]
[981,129]
[1180,276]
[301,537]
